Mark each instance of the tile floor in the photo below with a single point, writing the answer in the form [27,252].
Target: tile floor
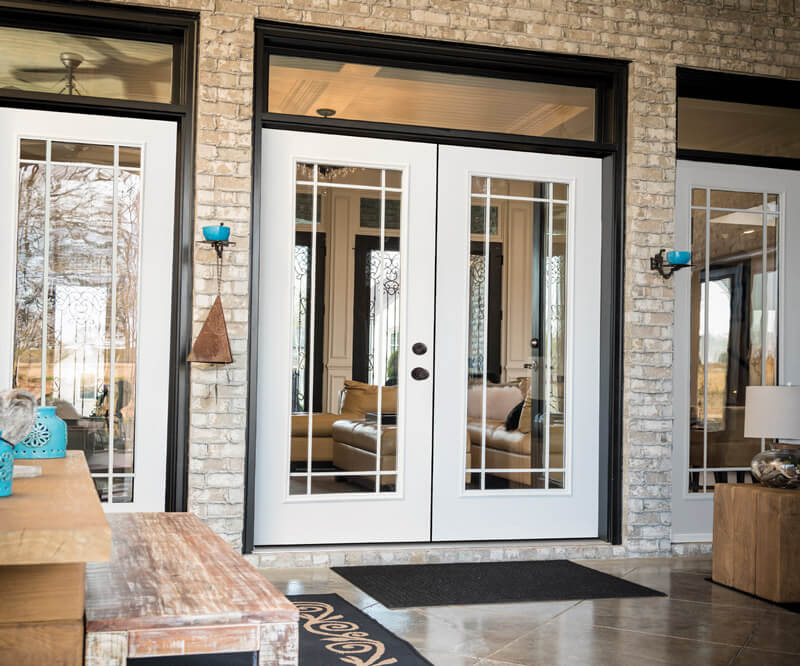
[698,623]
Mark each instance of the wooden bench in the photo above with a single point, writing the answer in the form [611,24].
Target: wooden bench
[173,587]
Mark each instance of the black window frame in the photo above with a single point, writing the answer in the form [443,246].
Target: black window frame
[609,77]
[737,88]
[142,24]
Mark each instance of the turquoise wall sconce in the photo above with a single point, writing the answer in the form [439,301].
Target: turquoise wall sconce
[673,261]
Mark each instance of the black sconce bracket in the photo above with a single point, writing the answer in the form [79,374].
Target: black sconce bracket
[218,246]
[659,263]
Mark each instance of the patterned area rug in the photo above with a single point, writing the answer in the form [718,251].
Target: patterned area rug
[334,632]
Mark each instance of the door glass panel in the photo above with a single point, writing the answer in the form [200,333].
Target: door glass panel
[516,363]
[734,327]
[75,340]
[355,91]
[346,332]
[90,66]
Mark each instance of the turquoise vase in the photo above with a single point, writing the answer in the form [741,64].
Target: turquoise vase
[6,467]
[47,438]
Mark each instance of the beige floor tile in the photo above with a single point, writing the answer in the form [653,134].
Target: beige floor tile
[435,634]
[778,630]
[749,657]
[563,642]
[669,617]
[693,587]
[449,659]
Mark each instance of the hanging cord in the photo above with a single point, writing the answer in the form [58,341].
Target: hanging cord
[219,294]
[219,274]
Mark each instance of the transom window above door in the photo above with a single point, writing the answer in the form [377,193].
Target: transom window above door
[85,65]
[354,91]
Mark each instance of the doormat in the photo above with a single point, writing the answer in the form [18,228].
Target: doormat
[334,632]
[411,585]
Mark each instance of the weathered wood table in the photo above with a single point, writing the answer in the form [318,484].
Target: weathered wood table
[757,541]
[49,528]
[173,587]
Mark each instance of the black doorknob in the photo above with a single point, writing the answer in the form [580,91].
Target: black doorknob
[420,373]
[419,348]
[534,343]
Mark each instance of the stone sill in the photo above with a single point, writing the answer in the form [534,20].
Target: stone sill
[421,553]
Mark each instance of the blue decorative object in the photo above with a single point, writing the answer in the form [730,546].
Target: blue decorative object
[6,467]
[47,438]
[217,232]
[678,257]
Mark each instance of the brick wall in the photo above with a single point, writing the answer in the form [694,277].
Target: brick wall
[751,36]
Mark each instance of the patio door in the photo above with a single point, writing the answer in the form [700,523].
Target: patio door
[349,428]
[87,217]
[538,478]
[345,349]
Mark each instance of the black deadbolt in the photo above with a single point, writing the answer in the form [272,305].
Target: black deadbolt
[419,348]
[420,373]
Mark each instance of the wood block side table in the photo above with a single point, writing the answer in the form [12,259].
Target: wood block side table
[49,529]
[756,545]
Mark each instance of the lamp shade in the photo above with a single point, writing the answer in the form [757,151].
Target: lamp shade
[772,412]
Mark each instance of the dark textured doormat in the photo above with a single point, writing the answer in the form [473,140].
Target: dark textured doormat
[409,585]
[334,632]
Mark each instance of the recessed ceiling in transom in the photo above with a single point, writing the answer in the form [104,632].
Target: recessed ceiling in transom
[304,86]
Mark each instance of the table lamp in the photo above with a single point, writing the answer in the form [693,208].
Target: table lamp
[773,412]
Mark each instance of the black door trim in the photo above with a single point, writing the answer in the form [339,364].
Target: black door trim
[609,77]
[180,29]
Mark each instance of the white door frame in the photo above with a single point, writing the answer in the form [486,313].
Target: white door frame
[404,515]
[158,140]
[517,514]
[692,513]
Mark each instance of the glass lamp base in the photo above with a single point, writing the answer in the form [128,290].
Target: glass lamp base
[777,468]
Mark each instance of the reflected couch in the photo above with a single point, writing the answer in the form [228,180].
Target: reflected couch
[520,448]
[355,400]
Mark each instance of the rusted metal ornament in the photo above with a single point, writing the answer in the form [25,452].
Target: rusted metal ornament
[212,344]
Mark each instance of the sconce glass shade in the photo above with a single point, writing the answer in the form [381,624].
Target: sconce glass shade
[774,412]
[678,257]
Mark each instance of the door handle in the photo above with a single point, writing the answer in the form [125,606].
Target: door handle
[419,374]
[534,343]
[419,348]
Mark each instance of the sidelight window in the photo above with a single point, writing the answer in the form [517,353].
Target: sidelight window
[734,327]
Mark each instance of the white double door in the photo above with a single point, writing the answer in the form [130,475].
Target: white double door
[436,273]
[87,212]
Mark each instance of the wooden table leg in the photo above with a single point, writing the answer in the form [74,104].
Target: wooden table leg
[278,644]
[106,648]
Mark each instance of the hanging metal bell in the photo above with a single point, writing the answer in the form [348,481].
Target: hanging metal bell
[212,344]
